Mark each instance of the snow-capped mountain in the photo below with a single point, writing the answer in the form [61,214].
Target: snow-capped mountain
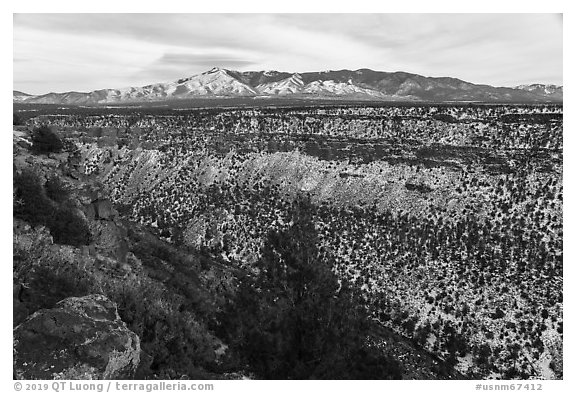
[544,90]
[216,82]
[362,84]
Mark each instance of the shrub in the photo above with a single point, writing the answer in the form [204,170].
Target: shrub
[497,314]
[445,118]
[45,206]
[56,189]
[48,276]
[67,227]
[176,341]
[30,202]
[44,141]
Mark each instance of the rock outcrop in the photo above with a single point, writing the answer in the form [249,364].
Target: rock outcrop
[104,210]
[81,338]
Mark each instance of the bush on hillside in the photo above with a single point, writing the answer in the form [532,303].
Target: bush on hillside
[40,205]
[30,202]
[56,189]
[68,227]
[45,141]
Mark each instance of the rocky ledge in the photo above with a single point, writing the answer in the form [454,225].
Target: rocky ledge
[81,338]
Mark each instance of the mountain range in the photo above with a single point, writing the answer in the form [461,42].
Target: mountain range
[362,85]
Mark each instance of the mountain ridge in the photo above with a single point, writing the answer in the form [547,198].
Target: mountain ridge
[362,84]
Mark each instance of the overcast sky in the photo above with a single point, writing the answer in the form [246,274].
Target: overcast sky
[84,52]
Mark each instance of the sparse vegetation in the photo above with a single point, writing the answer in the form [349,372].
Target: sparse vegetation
[442,224]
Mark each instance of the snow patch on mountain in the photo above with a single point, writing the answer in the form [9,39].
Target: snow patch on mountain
[330,87]
[18,96]
[289,85]
[539,88]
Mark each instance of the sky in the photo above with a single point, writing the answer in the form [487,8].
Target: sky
[85,52]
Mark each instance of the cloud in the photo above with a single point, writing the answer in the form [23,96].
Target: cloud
[177,30]
[182,59]
[91,51]
[178,65]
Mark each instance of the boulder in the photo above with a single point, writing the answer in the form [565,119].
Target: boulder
[104,209]
[81,338]
[110,239]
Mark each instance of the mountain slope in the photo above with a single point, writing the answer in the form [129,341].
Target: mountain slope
[362,84]
[18,96]
[544,90]
[291,85]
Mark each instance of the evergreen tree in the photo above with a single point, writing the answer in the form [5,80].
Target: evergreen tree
[293,320]
[44,141]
